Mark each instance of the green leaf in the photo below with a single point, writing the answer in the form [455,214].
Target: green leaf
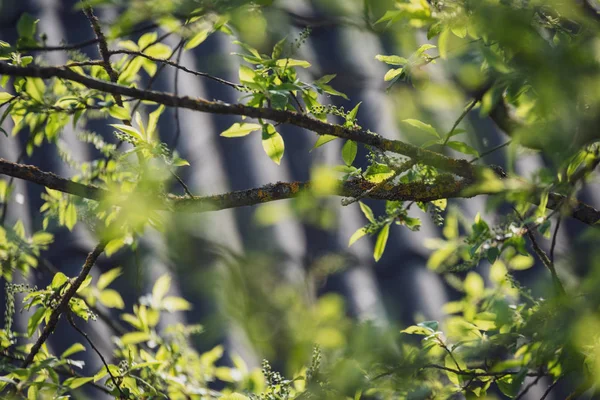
[424,48]
[349,152]
[70,216]
[160,288]
[422,126]
[197,39]
[158,50]
[36,88]
[443,42]
[119,113]
[74,348]
[278,48]
[114,245]
[417,330]
[240,129]
[357,235]
[367,211]
[474,285]
[382,239]
[273,143]
[111,299]
[392,60]
[147,39]
[172,303]
[5,96]
[34,321]
[130,130]
[74,383]
[58,280]
[378,173]
[151,133]
[351,117]
[392,73]
[108,277]
[463,148]
[135,338]
[290,62]
[322,140]
[325,79]
[86,282]
[26,26]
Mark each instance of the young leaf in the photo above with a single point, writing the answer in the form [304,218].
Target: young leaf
[349,152]
[161,287]
[392,60]
[367,211]
[351,117]
[26,26]
[197,39]
[392,73]
[382,238]
[272,143]
[322,140]
[131,131]
[152,123]
[108,277]
[240,129]
[422,126]
[36,88]
[357,235]
[74,348]
[111,299]
[290,62]
[463,148]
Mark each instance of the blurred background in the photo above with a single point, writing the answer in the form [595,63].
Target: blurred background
[263,285]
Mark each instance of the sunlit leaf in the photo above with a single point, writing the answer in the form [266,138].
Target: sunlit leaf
[381,241]
[272,143]
[240,129]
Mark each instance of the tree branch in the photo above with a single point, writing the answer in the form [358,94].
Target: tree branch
[413,191]
[64,302]
[458,167]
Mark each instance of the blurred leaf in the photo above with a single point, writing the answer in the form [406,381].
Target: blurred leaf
[422,126]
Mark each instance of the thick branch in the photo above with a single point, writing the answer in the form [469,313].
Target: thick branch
[413,191]
[64,302]
[458,167]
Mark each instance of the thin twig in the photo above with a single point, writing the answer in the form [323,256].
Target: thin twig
[543,256]
[177,66]
[87,338]
[547,392]
[103,48]
[460,118]
[176,89]
[554,236]
[64,302]
[529,386]
[487,153]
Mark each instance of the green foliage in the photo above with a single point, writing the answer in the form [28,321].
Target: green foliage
[532,67]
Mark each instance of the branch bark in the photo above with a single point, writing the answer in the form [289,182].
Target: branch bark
[427,157]
[414,191]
